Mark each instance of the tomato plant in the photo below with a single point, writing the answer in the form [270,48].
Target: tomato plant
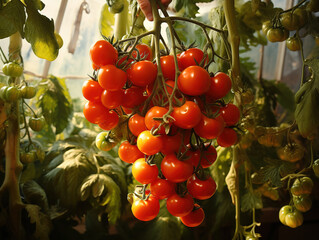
[103,53]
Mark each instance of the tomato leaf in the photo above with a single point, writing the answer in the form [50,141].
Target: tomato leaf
[106,21]
[12,18]
[34,194]
[39,32]
[271,172]
[34,4]
[251,200]
[116,173]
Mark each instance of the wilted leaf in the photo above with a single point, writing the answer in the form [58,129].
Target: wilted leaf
[106,21]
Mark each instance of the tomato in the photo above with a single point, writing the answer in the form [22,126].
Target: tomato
[301,186]
[175,170]
[142,73]
[95,112]
[102,53]
[210,128]
[36,123]
[11,94]
[112,99]
[110,121]
[28,92]
[194,81]
[144,51]
[12,69]
[146,210]
[151,123]
[180,206]
[28,157]
[129,153]
[105,141]
[266,26]
[148,143]
[194,218]
[209,156]
[220,86]
[92,90]
[133,97]
[275,35]
[136,124]
[144,172]
[171,144]
[168,67]
[201,189]
[58,39]
[290,216]
[315,167]
[302,16]
[187,116]
[290,21]
[231,114]
[293,44]
[227,138]
[112,78]
[291,152]
[302,203]
[162,188]
[191,57]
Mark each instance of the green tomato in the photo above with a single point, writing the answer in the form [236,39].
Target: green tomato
[275,34]
[36,123]
[294,219]
[3,90]
[302,203]
[313,6]
[293,44]
[28,92]
[12,94]
[115,6]
[105,142]
[28,157]
[283,212]
[302,15]
[315,167]
[290,21]
[266,26]
[12,69]
[301,186]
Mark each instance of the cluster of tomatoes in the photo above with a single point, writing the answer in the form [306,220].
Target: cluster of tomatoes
[168,128]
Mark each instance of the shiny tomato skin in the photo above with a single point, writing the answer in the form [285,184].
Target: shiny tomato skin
[194,218]
[220,85]
[103,53]
[144,51]
[168,67]
[171,144]
[112,99]
[92,90]
[136,124]
[110,121]
[176,170]
[111,78]
[149,144]
[194,81]
[201,189]
[95,112]
[231,114]
[142,73]
[180,206]
[209,156]
[146,210]
[191,57]
[210,128]
[162,188]
[227,138]
[187,116]
[143,172]
[133,97]
[129,153]
[155,112]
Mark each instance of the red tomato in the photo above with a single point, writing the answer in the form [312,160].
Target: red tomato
[162,188]
[110,121]
[169,85]
[112,78]
[136,124]
[193,157]
[168,67]
[103,53]
[201,189]
[133,97]
[194,81]
[142,73]
[95,112]
[146,210]
[148,143]
[194,218]
[155,112]
[208,157]
[220,86]
[231,114]
[180,206]
[129,153]
[171,144]
[210,128]
[144,172]
[144,51]
[187,116]
[92,90]
[112,99]
[191,57]
[175,170]
[227,138]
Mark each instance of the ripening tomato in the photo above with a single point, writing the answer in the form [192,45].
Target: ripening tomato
[110,121]
[112,78]
[144,51]
[168,67]
[210,128]
[171,144]
[187,116]
[231,114]
[92,90]
[227,138]
[129,153]
[195,217]
[162,188]
[201,189]
[142,73]
[191,57]
[155,112]
[220,86]
[136,124]
[176,170]
[143,172]
[194,81]
[148,143]
[36,123]
[95,112]
[103,53]
[133,97]
[180,206]
[112,99]
[146,210]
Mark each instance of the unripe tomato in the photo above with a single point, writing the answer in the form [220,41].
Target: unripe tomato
[146,210]
[12,69]
[293,44]
[11,94]
[301,186]
[313,6]
[105,142]
[28,157]
[28,92]
[302,203]
[290,216]
[36,123]
[266,26]
[275,35]
[194,218]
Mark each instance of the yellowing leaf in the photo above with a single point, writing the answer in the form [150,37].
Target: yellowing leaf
[106,21]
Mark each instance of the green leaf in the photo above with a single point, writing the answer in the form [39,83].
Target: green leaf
[106,21]
[116,173]
[39,32]
[271,172]
[188,7]
[33,4]
[42,222]
[34,194]
[12,18]
[251,200]
[28,173]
